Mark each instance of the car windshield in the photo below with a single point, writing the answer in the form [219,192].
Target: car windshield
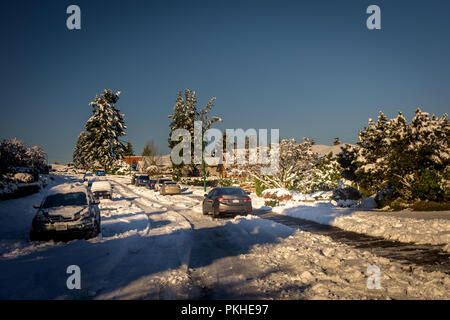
[231,192]
[65,199]
[170,183]
[143,177]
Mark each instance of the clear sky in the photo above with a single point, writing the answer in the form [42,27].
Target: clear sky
[309,68]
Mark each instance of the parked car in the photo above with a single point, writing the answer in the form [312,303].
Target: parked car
[225,200]
[101,190]
[100,173]
[67,210]
[170,187]
[142,180]
[151,184]
[159,183]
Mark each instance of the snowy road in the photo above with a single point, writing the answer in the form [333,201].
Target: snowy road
[162,247]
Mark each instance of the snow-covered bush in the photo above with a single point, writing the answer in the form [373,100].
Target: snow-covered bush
[14,154]
[278,194]
[296,165]
[327,174]
[413,158]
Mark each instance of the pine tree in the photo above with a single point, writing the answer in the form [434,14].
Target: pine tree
[184,115]
[104,128]
[327,174]
[129,149]
[408,157]
[80,153]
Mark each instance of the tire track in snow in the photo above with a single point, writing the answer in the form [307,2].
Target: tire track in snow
[181,243]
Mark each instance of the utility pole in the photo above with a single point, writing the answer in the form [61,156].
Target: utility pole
[203,162]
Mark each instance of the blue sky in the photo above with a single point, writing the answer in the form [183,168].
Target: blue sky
[309,68]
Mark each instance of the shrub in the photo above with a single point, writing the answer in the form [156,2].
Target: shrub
[259,187]
[428,186]
[271,203]
[431,206]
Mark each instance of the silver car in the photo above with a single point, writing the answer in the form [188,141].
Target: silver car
[159,183]
[170,187]
[226,200]
[67,211]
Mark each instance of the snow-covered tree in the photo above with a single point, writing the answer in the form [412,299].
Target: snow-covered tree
[296,163]
[184,115]
[37,158]
[327,174]
[80,153]
[404,156]
[14,153]
[104,128]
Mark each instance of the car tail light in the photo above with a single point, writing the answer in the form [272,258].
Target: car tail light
[222,199]
[248,199]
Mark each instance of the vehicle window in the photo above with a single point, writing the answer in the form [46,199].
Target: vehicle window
[212,193]
[65,199]
[232,192]
[170,183]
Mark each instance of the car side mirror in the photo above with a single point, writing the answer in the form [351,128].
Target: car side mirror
[206,195]
[36,206]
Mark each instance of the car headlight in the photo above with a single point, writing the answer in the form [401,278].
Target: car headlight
[42,216]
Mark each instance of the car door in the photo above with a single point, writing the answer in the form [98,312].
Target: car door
[209,200]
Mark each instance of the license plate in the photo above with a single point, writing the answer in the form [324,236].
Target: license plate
[61,227]
[236,201]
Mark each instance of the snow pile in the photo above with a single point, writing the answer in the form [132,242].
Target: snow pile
[388,226]
[282,194]
[385,225]
[322,269]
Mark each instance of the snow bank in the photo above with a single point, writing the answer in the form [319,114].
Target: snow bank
[380,224]
[421,231]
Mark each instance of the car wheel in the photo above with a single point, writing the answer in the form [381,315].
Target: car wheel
[34,236]
[205,213]
[215,212]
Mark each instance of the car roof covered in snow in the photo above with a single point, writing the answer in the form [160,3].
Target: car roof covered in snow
[67,188]
[100,185]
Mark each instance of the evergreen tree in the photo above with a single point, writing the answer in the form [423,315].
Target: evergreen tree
[327,174]
[409,157]
[104,128]
[129,149]
[80,153]
[184,115]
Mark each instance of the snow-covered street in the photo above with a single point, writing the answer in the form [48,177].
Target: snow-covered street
[163,247]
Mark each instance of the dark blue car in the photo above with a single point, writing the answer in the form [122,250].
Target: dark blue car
[142,180]
[100,173]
